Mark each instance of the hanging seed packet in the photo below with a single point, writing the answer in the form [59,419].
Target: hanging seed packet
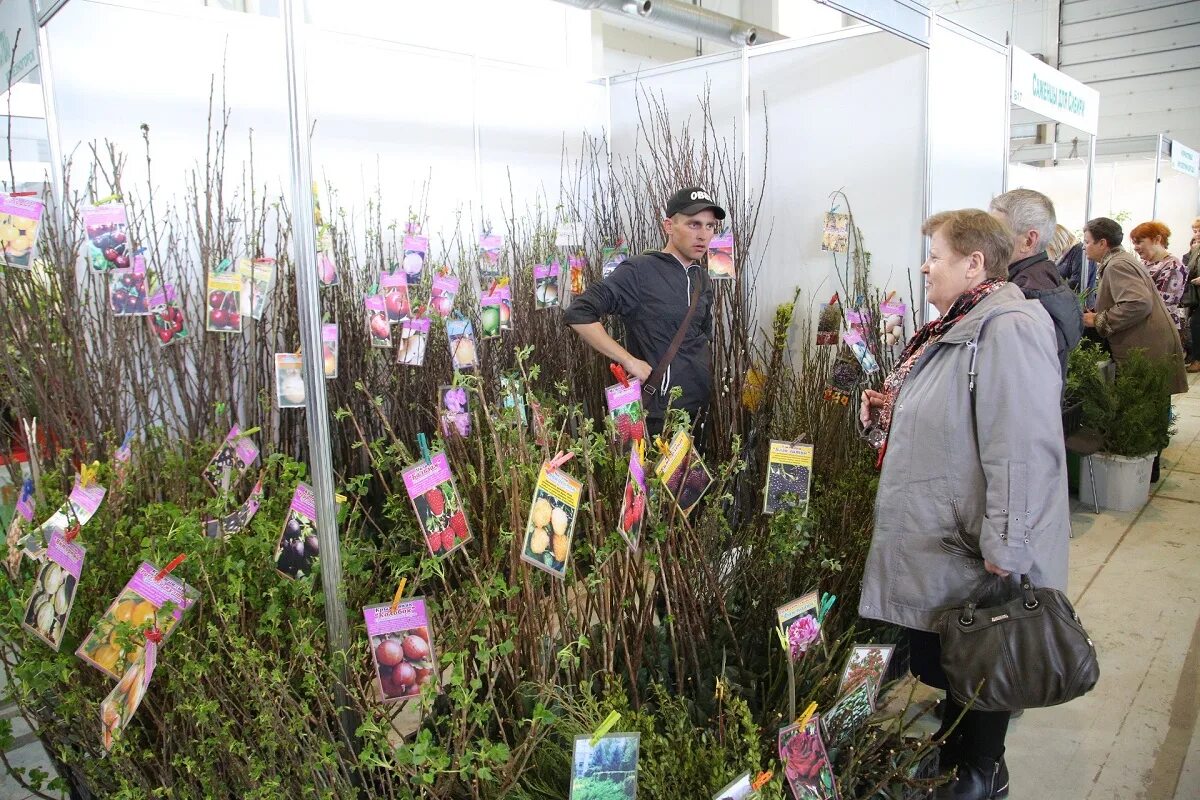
[82,504]
[414,338]
[798,619]
[327,271]
[118,640]
[16,537]
[289,380]
[490,247]
[463,352]
[378,328]
[232,458]
[49,606]
[607,768]
[166,317]
[107,229]
[551,524]
[239,519]
[835,238]
[829,322]
[866,662]
[129,290]
[512,397]
[891,323]
[683,473]
[402,648]
[858,347]
[437,504]
[843,379]
[454,411]
[612,257]
[118,708]
[541,431]
[633,503]
[720,257]
[441,294]
[20,218]
[789,475]
[805,762]
[329,349]
[495,312]
[859,320]
[850,712]
[568,235]
[416,250]
[224,300]
[297,548]
[575,268]
[545,280]
[257,275]
[626,411]
[740,788]
[394,288]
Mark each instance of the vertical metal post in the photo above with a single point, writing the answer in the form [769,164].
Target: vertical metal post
[51,113]
[1157,175]
[1008,59]
[308,305]
[1085,273]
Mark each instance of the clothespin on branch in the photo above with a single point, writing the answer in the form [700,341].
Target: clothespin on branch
[807,715]
[891,294]
[827,601]
[605,726]
[112,198]
[87,473]
[175,562]
[423,444]
[398,596]
[833,300]
[661,446]
[761,780]
[558,460]
[620,374]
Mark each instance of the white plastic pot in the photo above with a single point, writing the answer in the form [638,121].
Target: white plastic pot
[1122,483]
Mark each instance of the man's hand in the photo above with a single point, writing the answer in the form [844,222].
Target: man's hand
[992,568]
[638,369]
[871,401]
[1196,281]
[1089,319]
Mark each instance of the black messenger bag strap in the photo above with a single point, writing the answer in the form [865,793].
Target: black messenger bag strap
[651,385]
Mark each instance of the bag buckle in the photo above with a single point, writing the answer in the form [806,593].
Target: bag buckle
[967,617]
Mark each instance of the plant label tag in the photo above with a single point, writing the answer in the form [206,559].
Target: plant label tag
[402,649]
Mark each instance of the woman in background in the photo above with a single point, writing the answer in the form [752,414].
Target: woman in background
[1168,273]
[1191,298]
[1067,252]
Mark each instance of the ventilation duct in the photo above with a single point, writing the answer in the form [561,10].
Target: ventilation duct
[683,18]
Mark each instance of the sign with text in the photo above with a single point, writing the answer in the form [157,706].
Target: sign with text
[1185,159]
[17,15]
[1044,90]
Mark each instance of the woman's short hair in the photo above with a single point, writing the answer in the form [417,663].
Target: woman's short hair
[1149,230]
[1107,229]
[1063,241]
[971,230]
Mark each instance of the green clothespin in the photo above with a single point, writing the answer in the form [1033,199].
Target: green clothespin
[374,290]
[827,601]
[605,726]
[423,443]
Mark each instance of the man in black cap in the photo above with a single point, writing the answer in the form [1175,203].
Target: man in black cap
[658,295]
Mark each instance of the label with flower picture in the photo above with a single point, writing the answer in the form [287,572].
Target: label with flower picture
[454,411]
[720,257]
[232,458]
[237,520]
[378,328]
[224,300]
[576,264]
[495,312]
[414,338]
[118,708]
[551,523]
[329,349]
[20,218]
[829,322]
[297,549]
[683,473]
[129,290]
[626,411]
[437,504]
[464,354]
[835,235]
[416,250]
[490,247]
[81,505]
[394,288]
[257,275]
[141,605]
[545,283]
[789,476]
[289,380]
[612,257]
[633,503]
[402,648]
[107,228]
[866,661]
[798,619]
[805,761]
[442,293]
[166,318]
[49,606]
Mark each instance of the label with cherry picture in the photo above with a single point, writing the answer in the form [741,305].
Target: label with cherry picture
[329,349]
[107,228]
[378,328]
[683,473]
[289,380]
[545,283]
[166,317]
[416,252]
[437,504]
[129,290]
[464,354]
[551,522]
[626,412]
[495,312]
[414,339]
[720,257]
[297,549]
[490,248]
[257,275]
[20,218]
[394,288]
[232,458]
[442,293]
[633,503]
[224,300]
[402,648]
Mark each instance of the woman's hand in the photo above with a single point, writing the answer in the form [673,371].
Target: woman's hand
[1089,319]
[992,568]
[868,409]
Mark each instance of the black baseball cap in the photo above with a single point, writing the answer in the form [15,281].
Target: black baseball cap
[692,200]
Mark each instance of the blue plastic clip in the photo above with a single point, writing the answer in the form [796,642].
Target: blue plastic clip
[423,443]
[827,601]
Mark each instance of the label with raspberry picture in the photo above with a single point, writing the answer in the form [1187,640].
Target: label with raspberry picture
[378,327]
[789,476]
[545,282]
[107,228]
[416,251]
[442,293]
[20,218]
[257,275]
[297,549]
[224,301]
[490,248]
[402,649]
[551,521]
[464,353]
[437,504]
[495,312]
[683,473]
[233,457]
[414,339]
[633,503]
[626,412]
[394,288]
[289,380]
[166,317]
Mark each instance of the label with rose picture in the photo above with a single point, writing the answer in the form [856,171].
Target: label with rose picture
[402,648]
[454,411]
[416,251]
[49,606]
[297,549]
[495,312]
[289,380]
[238,519]
[490,248]
[394,288]
[806,763]
[866,661]
[789,476]
[798,620]
[442,292]
[545,285]
[20,218]
[626,412]
[683,473]
[232,458]
[633,503]
[378,328]
[576,264]
[257,275]
[464,354]
[107,228]
[414,338]
[720,257]
[437,504]
[166,318]
[551,523]
[129,290]
[224,300]
[329,349]
[81,505]
[850,712]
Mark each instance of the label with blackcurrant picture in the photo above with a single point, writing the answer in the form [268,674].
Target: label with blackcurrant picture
[49,606]
[626,412]
[289,380]
[129,290]
[224,301]
[107,229]
[238,519]
[20,218]
[402,648]
[233,457]
[789,476]
[297,548]
[437,504]
[633,503]
[683,473]
[545,282]
[378,327]
[551,522]
[257,275]
[166,317]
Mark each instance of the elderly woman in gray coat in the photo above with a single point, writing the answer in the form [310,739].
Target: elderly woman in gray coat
[973,451]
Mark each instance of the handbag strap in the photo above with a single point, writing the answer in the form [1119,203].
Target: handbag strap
[651,385]
[992,583]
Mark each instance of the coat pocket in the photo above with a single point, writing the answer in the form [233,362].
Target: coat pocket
[922,574]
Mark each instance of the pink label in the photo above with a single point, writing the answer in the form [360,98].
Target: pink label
[491,242]
[893,308]
[619,396]
[391,280]
[159,593]
[545,270]
[304,501]
[576,262]
[416,244]
[637,470]
[410,613]
[68,555]
[109,214]
[375,303]
[86,500]
[445,284]
[151,661]
[419,325]
[25,501]
[163,295]
[724,242]
[501,294]
[329,333]
[23,207]
[422,477]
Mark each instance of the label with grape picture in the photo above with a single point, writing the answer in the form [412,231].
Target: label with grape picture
[224,300]
[378,327]
[257,275]
[551,522]
[495,312]
[414,339]
[866,662]
[129,290]
[464,354]
[232,458]
[442,292]
[683,473]
[626,412]
[789,476]
[166,317]
[107,228]
[633,503]
[49,606]
[437,504]
[297,549]
[416,252]
[289,380]
[20,218]
[490,247]
[394,288]
[81,505]
[238,519]
[545,282]
[402,648]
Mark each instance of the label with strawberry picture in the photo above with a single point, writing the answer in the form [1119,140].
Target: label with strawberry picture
[551,522]
[683,473]
[495,312]
[166,319]
[297,549]
[107,228]
[490,248]
[394,288]
[626,412]
[633,504]
[232,458]
[257,275]
[289,380]
[238,519]
[464,354]
[442,293]
[416,251]
[545,283]
[129,290]
[224,301]
[378,327]
[49,606]
[329,349]
[20,218]
[789,476]
[81,505]
[402,648]
[438,507]
[575,267]
[454,411]
[414,338]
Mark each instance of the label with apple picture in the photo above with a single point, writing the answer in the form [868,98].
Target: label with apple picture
[551,522]
[297,549]
[490,249]
[289,380]
[402,648]
[329,349]
[232,458]
[495,312]
[224,300]
[464,354]
[416,250]
[166,319]
[257,275]
[414,337]
[442,293]
[20,218]
[378,328]
[394,288]
[545,282]
[437,504]
[107,228]
[720,257]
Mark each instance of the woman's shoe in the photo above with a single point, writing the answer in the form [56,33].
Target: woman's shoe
[978,779]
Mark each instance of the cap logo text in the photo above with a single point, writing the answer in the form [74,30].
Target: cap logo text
[701,196]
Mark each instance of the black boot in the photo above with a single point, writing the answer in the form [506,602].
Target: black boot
[978,778]
[1154,470]
[950,754]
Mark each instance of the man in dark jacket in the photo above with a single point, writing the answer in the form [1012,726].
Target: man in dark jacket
[1030,215]
[651,293]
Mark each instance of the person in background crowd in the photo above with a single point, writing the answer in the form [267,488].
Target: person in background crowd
[1168,272]
[1067,252]
[1030,216]
[970,411]
[1191,298]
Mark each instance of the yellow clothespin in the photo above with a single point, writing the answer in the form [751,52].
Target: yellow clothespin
[87,473]
[807,715]
[398,596]
[110,199]
[640,446]
[662,446]
[609,721]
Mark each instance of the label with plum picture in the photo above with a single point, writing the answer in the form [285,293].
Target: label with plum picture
[414,338]
[545,282]
[107,228]
[437,504]
[224,301]
[789,476]
[683,473]
[166,317]
[490,248]
[633,503]
[257,275]
[626,412]
[49,606]
[129,290]
[402,648]
[442,293]
[394,288]
[20,218]
[495,312]
[551,521]
[289,380]
[416,251]
[232,458]
[464,354]
[297,549]
[378,327]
